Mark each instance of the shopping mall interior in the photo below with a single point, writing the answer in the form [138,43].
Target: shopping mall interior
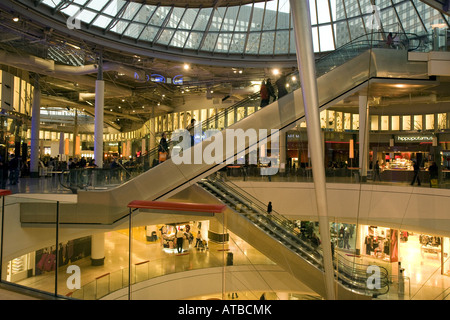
[317,167]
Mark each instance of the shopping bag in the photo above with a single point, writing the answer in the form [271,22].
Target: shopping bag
[434,183]
[162,156]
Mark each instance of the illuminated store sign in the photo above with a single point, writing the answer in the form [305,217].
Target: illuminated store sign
[414,138]
[178,79]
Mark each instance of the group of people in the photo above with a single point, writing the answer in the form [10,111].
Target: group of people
[267,90]
[163,147]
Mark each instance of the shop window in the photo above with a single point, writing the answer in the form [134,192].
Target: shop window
[330,119]
[418,122]
[442,121]
[323,119]
[347,121]
[406,122]
[429,124]
[384,122]
[339,121]
[355,121]
[374,123]
[395,126]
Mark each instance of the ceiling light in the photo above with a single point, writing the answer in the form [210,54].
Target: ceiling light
[294,78]
[240,71]
[275,72]
[120,107]
[123,100]
[186,66]
[16,19]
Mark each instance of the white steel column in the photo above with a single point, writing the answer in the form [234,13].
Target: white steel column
[35,127]
[306,65]
[363,136]
[98,249]
[99,109]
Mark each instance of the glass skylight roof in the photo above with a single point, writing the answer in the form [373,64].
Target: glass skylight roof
[261,28]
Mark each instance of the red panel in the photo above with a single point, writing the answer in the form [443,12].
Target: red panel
[4,192]
[177,206]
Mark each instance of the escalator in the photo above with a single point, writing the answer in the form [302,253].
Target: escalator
[341,74]
[279,239]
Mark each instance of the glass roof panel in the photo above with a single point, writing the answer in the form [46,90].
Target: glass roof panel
[261,28]
[52,3]
[267,43]
[258,14]
[253,43]
[202,19]
[282,42]
[194,40]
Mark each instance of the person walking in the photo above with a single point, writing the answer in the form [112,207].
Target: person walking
[191,129]
[281,86]
[269,208]
[264,94]
[270,90]
[163,148]
[198,240]
[376,171]
[416,173]
[180,239]
[434,173]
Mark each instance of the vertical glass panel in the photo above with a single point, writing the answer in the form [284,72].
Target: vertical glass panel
[323,119]
[149,33]
[341,33]
[374,123]
[442,121]
[179,39]
[270,17]
[267,43]
[339,121]
[16,97]
[323,11]
[253,43]
[223,42]
[326,38]
[331,120]
[177,13]
[102,21]
[165,37]
[210,41]
[429,122]
[283,15]
[219,14]
[418,122]
[202,19]
[312,8]
[237,45]
[395,123]
[406,122]
[347,121]
[194,40]
[282,42]
[257,18]
[356,27]
[230,19]
[389,20]
[315,37]
[384,122]
[243,19]
[114,7]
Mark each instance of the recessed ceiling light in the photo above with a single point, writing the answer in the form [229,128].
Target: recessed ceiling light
[186,66]
[16,19]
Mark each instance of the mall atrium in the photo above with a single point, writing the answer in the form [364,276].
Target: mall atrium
[317,167]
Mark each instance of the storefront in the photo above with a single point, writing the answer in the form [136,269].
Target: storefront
[169,240]
[396,159]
